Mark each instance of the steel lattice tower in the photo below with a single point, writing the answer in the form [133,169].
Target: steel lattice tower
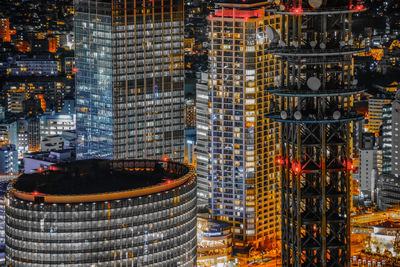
[316,93]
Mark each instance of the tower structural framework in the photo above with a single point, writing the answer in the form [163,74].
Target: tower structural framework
[316,92]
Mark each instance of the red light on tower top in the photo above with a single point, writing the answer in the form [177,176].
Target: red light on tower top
[35,193]
[165,158]
[359,8]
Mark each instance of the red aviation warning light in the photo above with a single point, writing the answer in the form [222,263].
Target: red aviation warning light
[296,167]
[35,193]
[167,181]
[350,166]
[357,8]
[165,158]
[280,161]
[54,168]
[297,10]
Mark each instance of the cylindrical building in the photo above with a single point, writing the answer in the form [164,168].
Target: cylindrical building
[103,213]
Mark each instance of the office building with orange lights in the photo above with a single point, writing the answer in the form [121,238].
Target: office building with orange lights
[5,32]
[243,143]
[375,112]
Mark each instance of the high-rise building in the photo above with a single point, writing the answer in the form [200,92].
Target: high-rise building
[190,130]
[387,191]
[243,143]
[5,33]
[8,159]
[202,139]
[33,134]
[8,132]
[129,79]
[28,131]
[317,117]
[103,213]
[375,112]
[368,170]
[387,138]
[396,136]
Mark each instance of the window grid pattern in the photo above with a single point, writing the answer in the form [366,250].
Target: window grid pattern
[243,141]
[156,230]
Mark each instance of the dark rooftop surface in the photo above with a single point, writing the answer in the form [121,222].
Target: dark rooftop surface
[96,176]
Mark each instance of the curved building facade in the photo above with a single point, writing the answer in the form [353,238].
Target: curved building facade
[103,213]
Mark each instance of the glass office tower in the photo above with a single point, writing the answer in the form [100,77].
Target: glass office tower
[130,78]
[243,143]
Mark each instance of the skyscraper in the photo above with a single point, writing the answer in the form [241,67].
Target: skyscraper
[130,78]
[202,139]
[375,112]
[242,141]
[317,116]
[395,157]
[387,133]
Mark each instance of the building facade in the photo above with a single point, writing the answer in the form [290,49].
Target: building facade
[56,124]
[214,243]
[387,191]
[5,33]
[375,112]
[387,138]
[368,171]
[243,143]
[202,140]
[76,215]
[8,160]
[190,130]
[8,132]
[36,65]
[396,136]
[130,79]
